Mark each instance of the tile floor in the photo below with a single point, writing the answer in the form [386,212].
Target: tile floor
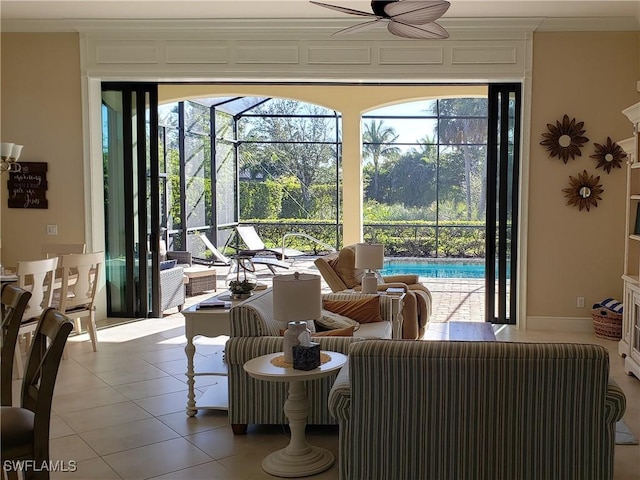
[119,413]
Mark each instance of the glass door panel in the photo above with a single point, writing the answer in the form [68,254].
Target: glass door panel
[502,201]
[132,204]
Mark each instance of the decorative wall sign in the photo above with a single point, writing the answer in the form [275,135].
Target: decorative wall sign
[609,156]
[564,140]
[28,187]
[583,191]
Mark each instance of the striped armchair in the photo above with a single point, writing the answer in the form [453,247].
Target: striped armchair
[476,411]
[255,332]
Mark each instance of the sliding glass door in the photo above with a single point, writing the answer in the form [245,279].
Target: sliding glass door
[503,160]
[132,211]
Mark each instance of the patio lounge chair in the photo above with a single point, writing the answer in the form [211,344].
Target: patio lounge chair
[255,244]
[221,259]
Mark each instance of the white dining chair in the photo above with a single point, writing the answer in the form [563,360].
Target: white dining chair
[38,278]
[76,296]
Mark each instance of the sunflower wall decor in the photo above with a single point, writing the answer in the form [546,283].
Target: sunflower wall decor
[564,140]
[609,156]
[584,191]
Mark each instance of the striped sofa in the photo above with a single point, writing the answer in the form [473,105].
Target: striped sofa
[476,411]
[255,332]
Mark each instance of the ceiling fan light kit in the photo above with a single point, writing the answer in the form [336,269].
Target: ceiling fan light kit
[404,18]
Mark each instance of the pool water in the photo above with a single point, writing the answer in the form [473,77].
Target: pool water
[435,269]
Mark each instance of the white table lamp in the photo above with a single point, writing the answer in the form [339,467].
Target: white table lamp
[371,257]
[297,298]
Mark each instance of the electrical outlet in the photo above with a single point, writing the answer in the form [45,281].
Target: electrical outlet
[52,229]
[580,302]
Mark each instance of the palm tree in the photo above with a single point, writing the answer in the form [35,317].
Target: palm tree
[377,144]
[463,123]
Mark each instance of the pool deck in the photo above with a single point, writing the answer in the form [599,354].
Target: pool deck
[456,299]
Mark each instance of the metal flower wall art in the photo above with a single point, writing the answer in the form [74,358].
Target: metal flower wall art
[609,156]
[564,140]
[584,191]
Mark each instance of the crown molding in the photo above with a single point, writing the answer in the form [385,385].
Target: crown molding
[608,24]
[324,27]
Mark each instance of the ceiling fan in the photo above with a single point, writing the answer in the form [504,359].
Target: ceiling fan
[404,18]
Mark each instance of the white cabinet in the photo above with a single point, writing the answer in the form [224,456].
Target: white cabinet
[629,345]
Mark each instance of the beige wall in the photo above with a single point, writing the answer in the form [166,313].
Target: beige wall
[42,109]
[590,76]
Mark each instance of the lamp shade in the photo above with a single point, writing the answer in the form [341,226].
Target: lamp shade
[369,255]
[16,151]
[296,297]
[6,149]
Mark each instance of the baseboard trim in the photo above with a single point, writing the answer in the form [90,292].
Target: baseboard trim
[560,324]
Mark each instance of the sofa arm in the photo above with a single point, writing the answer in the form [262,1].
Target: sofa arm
[239,350]
[340,395]
[615,402]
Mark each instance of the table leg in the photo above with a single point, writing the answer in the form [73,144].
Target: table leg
[299,458]
[190,350]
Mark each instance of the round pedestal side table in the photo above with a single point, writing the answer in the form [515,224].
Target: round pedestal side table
[298,459]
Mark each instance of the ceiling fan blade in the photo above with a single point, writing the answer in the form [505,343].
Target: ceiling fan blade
[340,9]
[359,27]
[416,12]
[428,31]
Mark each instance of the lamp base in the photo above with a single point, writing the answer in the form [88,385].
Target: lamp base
[369,283]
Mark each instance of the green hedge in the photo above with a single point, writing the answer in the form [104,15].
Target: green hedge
[401,239]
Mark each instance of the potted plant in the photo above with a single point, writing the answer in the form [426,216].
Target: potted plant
[241,279]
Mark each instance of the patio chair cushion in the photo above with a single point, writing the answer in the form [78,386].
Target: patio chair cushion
[343,264]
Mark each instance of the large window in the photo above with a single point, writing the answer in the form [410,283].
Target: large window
[425,177]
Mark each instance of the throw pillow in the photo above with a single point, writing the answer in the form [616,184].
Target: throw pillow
[363,310]
[338,332]
[167,264]
[331,321]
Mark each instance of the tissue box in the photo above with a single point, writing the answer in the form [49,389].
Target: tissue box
[306,358]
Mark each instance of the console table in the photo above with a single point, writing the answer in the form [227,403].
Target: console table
[209,322]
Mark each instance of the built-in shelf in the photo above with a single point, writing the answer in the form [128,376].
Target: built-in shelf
[629,345]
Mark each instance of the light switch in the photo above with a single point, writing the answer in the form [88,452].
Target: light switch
[52,229]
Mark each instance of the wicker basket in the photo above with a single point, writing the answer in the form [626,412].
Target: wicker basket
[607,323]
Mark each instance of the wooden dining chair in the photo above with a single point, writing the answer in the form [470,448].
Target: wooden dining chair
[24,430]
[76,297]
[37,277]
[13,301]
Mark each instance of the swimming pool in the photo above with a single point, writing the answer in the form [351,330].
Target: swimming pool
[435,269]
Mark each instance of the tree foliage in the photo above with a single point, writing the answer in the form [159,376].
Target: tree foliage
[290,139]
